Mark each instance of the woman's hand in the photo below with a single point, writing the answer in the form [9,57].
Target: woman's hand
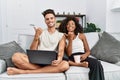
[70,36]
[83,57]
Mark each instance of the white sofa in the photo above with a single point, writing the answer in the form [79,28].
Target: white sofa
[111,71]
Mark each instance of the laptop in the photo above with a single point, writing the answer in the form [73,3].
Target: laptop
[41,57]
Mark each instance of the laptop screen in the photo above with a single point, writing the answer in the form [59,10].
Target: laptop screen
[41,56]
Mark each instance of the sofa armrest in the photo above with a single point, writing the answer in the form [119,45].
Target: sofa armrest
[2,66]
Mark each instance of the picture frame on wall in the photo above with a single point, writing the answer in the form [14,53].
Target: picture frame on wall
[80,17]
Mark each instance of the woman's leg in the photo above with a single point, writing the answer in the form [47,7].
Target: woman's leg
[96,69]
[72,61]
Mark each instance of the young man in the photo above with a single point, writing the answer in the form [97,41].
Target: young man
[48,39]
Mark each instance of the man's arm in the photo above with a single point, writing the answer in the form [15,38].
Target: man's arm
[61,48]
[36,41]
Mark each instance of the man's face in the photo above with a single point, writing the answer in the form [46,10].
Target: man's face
[50,20]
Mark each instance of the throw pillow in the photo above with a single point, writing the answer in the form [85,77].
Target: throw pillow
[7,50]
[2,66]
[107,48]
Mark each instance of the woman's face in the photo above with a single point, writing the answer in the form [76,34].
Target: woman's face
[71,26]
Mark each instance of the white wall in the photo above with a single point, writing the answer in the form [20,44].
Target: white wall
[19,14]
[96,12]
[0,24]
[29,11]
[112,18]
[16,15]
[99,12]
[3,21]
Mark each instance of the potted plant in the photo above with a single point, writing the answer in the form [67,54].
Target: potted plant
[91,27]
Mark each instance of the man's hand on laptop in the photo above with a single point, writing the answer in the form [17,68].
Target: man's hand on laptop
[56,62]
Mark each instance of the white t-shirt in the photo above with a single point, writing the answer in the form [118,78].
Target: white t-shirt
[49,41]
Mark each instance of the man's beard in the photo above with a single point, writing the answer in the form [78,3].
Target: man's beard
[51,25]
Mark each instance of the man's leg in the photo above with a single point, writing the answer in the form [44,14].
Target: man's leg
[21,61]
[63,66]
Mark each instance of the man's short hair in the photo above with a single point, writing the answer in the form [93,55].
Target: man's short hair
[48,11]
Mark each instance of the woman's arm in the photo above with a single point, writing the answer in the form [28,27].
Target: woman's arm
[70,38]
[69,48]
[86,46]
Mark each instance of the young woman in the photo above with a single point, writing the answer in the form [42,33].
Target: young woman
[76,44]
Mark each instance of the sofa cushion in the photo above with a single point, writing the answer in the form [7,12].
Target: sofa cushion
[40,76]
[77,73]
[7,50]
[2,66]
[25,40]
[111,72]
[107,48]
[92,38]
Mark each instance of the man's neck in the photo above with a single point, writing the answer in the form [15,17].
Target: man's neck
[51,30]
